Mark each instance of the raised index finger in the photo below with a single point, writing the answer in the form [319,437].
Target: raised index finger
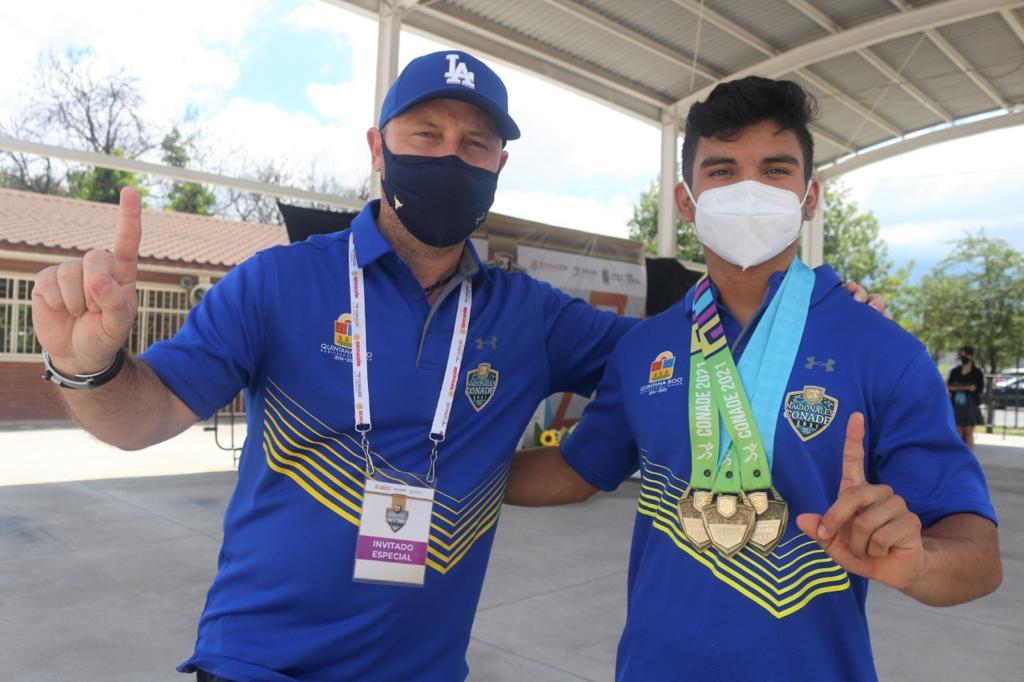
[129,235]
[853,453]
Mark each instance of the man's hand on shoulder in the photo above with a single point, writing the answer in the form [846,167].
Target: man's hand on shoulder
[860,294]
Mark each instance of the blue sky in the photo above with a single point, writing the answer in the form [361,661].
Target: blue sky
[292,81]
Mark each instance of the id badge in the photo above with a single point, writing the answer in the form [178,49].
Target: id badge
[394,532]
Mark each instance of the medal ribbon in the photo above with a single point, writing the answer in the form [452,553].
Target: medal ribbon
[717,387]
[360,369]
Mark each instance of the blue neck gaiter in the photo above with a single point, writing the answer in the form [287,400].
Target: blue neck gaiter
[441,199]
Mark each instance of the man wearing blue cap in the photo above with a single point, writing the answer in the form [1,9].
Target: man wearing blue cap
[380,428]
[360,370]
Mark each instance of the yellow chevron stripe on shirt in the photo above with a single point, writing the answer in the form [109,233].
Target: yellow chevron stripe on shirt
[774,587]
[329,466]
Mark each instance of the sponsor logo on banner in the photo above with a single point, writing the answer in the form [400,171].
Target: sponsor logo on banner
[810,411]
[662,374]
[481,383]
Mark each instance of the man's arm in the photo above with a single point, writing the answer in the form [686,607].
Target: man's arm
[540,477]
[83,311]
[133,411]
[870,531]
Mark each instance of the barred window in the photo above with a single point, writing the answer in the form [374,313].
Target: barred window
[17,337]
[162,312]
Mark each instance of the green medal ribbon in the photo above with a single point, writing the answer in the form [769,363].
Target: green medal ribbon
[717,396]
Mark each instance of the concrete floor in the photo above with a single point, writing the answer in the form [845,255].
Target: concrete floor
[103,580]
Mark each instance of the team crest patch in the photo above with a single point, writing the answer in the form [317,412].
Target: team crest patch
[343,331]
[396,518]
[810,411]
[662,367]
[481,383]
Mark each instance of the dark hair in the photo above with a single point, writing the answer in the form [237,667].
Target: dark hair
[967,349]
[737,104]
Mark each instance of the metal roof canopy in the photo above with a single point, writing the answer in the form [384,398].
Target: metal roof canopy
[890,75]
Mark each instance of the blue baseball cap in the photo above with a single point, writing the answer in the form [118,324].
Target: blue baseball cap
[451,74]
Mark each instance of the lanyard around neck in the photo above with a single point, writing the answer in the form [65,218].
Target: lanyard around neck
[360,368]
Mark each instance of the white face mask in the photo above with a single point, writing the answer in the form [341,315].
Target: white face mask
[748,222]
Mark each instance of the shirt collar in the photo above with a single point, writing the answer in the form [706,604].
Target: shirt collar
[371,244]
[825,280]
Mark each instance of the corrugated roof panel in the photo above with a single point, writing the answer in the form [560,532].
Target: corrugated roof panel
[993,49]
[846,125]
[775,21]
[848,14]
[572,36]
[931,71]
[673,26]
[860,82]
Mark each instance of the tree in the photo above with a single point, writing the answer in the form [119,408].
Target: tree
[103,184]
[975,296]
[854,247]
[643,227]
[72,106]
[184,197]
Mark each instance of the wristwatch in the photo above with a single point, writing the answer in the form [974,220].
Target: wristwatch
[89,381]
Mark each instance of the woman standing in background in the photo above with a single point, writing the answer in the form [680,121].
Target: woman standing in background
[966,384]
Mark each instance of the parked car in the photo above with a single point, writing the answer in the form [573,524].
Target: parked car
[1009,394]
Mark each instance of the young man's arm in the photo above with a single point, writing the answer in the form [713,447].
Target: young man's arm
[540,477]
[870,531]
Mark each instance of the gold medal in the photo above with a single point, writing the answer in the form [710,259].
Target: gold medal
[772,517]
[692,520]
[729,523]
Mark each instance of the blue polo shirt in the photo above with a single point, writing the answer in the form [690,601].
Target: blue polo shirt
[283,605]
[794,615]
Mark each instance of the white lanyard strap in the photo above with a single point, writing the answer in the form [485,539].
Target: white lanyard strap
[360,369]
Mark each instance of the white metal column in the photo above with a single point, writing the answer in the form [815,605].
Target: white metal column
[812,240]
[669,178]
[389,30]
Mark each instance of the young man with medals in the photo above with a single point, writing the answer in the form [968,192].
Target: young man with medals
[791,445]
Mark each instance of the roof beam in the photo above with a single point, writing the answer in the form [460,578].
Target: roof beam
[634,37]
[864,35]
[183,174]
[462,28]
[945,134]
[743,35]
[825,22]
[959,60]
[1014,23]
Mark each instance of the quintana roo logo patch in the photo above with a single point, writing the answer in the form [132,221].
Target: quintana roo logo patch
[343,331]
[663,367]
[810,411]
[481,383]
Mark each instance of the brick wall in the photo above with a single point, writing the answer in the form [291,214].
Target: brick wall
[24,395]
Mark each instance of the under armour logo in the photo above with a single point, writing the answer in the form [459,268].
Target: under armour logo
[457,73]
[829,365]
[492,342]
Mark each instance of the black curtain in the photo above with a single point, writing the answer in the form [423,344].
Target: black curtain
[302,222]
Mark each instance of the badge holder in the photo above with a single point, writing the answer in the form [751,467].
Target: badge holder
[394,527]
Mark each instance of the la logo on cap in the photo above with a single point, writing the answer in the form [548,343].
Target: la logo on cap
[457,73]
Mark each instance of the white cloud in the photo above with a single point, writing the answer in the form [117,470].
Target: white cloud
[186,52]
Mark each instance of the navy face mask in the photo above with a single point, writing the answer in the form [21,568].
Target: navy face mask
[440,200]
